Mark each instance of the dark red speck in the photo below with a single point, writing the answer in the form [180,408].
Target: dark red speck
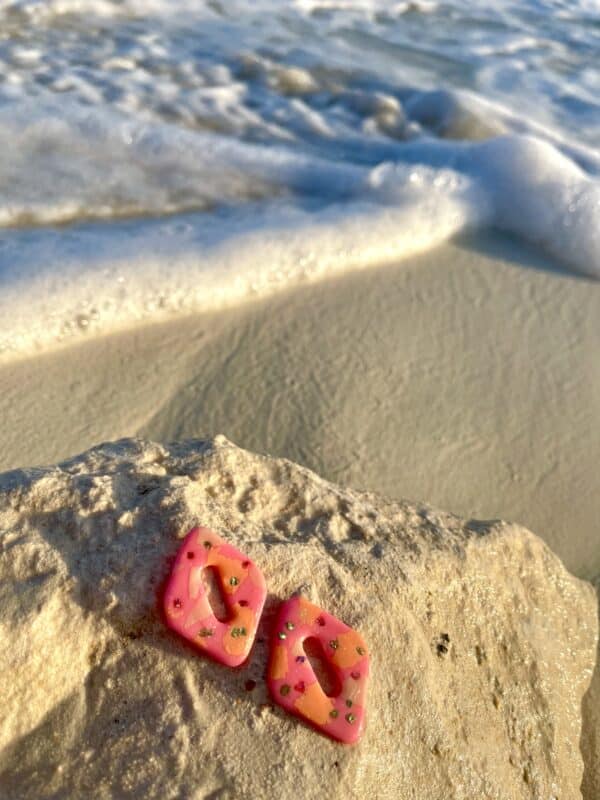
[355,675]
[190,554]
[320,621]
[300,687]
[243,603]
[250,684]
[177,602]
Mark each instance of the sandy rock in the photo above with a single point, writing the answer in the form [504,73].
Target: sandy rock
[482,644]
[590,737]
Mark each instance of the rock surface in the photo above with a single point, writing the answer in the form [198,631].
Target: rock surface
[482,645]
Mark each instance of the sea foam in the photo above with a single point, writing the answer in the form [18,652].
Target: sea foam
[159,158]
[96,276]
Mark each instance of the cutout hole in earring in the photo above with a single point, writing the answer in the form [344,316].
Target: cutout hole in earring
[214,594]
[325,674]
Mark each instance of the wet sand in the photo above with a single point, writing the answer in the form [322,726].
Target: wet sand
[467,377]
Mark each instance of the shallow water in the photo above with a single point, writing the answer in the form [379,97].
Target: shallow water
[158,157]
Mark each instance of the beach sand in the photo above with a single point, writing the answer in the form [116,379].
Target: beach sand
[467,377]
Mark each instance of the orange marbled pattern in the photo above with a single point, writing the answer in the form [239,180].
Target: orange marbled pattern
[292,680]
[188,610]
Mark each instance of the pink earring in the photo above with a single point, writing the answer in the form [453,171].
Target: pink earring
[292,680]
[187,607]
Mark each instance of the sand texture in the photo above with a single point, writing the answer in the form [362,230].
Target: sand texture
[590,740]
[468,377]
[101,700]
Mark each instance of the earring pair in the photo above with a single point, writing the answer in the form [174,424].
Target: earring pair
[301,627]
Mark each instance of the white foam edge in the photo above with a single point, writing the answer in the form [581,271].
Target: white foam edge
[59,283]
[98,277]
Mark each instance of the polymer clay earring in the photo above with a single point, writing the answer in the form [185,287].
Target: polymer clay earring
[186,603]
[293,683]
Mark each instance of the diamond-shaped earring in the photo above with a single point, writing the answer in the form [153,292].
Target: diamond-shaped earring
[292,680]
[187,606]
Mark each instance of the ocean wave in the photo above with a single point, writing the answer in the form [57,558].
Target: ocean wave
[60,283]
[158,158]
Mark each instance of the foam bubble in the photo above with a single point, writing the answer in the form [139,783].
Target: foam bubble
[542,196]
